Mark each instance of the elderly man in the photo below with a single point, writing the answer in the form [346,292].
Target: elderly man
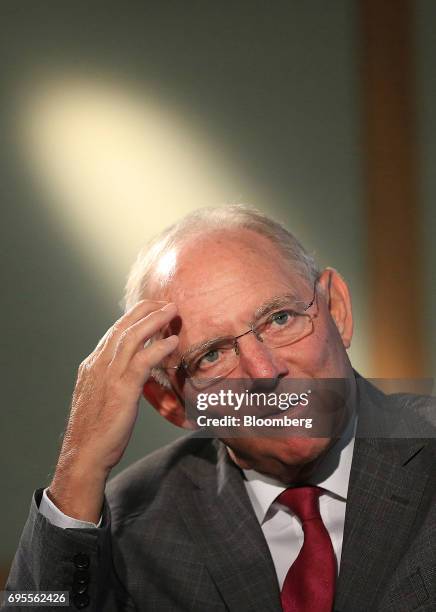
[250,523]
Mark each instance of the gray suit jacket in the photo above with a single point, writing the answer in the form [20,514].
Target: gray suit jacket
[179,533]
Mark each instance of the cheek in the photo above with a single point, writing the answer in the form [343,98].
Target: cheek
[309,351]
[319,355]
[296,451]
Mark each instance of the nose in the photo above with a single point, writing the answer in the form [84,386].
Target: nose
[256,360]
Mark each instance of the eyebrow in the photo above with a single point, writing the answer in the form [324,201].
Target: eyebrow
[273,303]
[264,309]
[200,347]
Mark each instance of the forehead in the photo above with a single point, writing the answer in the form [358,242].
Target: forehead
[218,281]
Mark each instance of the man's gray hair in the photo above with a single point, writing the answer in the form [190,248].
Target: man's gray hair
[200,223]
[207,220]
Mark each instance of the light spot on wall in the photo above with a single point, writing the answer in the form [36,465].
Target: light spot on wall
[115,167]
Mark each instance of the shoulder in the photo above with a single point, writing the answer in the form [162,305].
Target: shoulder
[413,415]
[395,415]
[148,480]
[416,414]
[388,393]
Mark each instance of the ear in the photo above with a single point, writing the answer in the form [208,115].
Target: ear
[166,402]
[338,301]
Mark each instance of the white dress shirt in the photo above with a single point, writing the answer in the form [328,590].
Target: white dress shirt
[281,528]
[58,518]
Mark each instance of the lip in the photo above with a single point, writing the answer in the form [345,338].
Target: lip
[321,410]
[323,401]
[292,411]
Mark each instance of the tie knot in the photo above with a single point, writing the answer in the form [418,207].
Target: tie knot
[303,501]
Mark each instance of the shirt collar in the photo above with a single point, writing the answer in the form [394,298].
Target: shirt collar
[332,474]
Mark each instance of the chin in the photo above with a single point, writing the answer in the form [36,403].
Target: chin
[284,459]
[300,451]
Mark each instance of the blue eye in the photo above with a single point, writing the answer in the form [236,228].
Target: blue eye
[211,356]
[208,360]
[281,318]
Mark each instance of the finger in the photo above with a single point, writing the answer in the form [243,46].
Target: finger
[135,336]
[150,357]
[140,310]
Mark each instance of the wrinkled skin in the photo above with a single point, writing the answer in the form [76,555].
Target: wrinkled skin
[217,283]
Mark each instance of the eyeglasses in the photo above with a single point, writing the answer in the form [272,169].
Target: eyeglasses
[217,358]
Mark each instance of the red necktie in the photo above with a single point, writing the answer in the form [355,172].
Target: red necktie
[309,585]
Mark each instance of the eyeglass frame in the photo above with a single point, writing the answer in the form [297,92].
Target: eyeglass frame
[233,340]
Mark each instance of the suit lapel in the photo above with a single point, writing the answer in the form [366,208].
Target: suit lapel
[387,481]
[219,516]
